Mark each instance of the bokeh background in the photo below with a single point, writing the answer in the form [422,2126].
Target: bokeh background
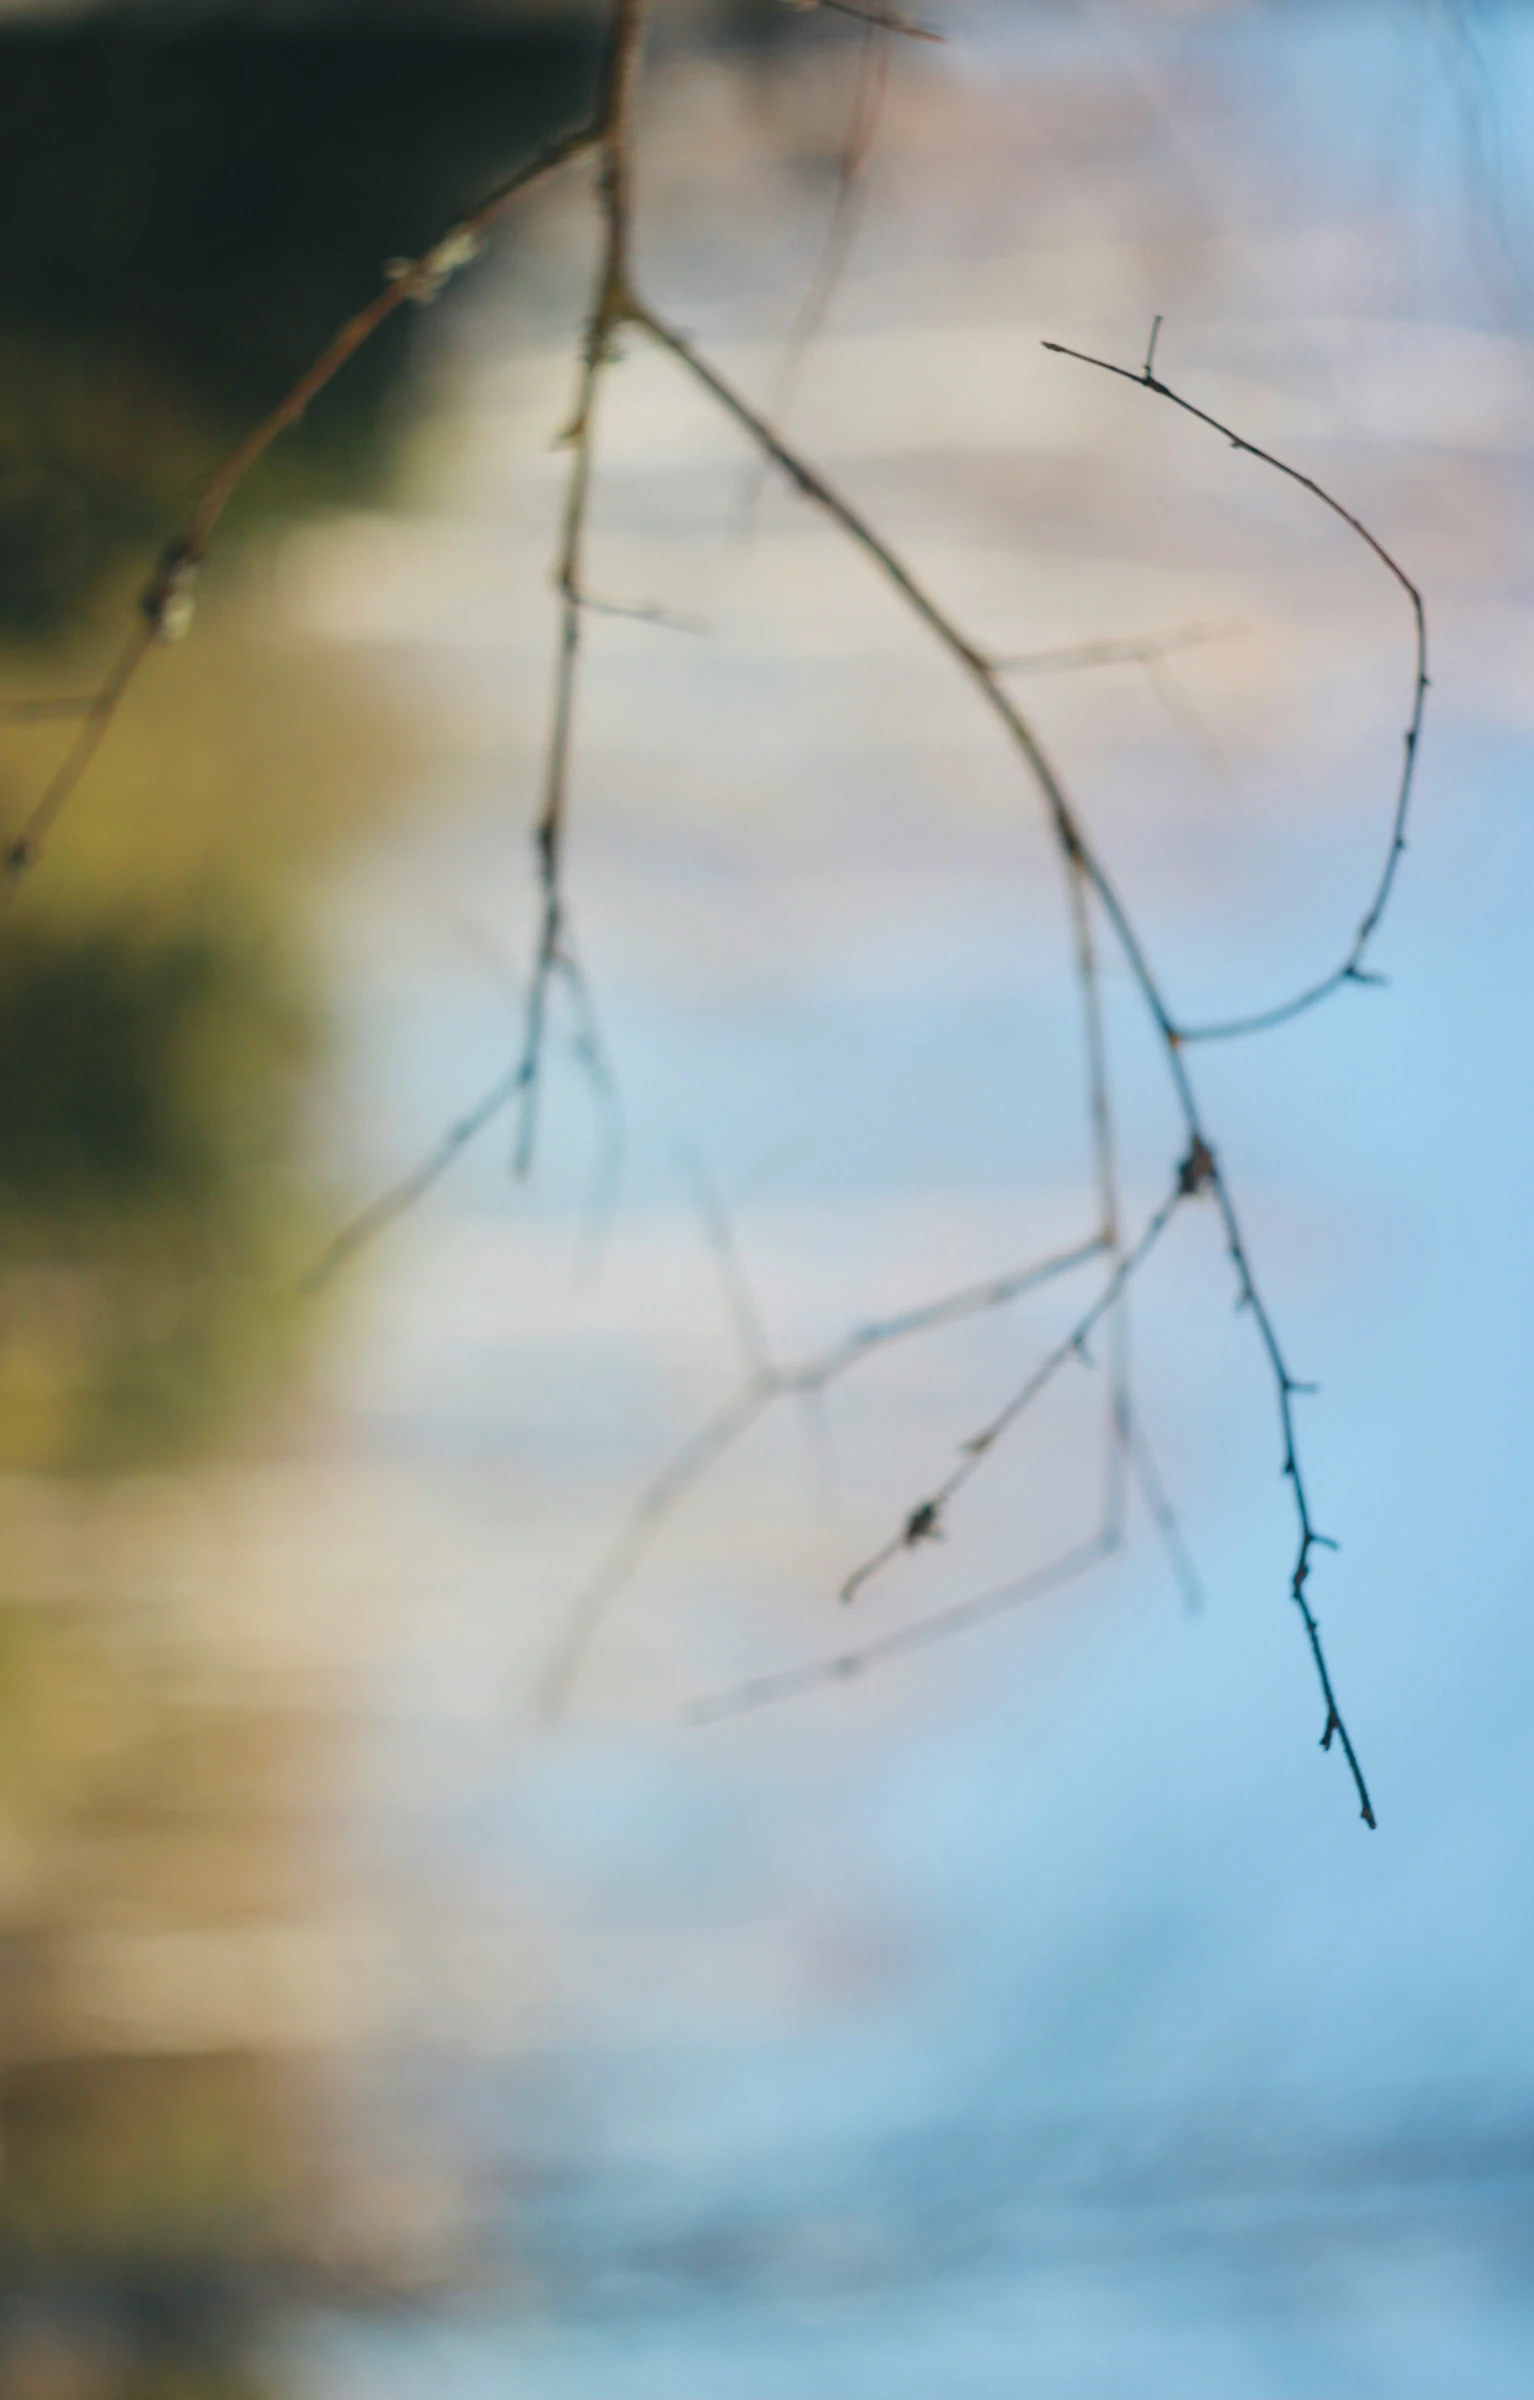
[1033,2016]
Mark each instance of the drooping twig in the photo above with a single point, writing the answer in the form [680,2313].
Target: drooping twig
[163,613]
[1200,1170]
[926,1521]
[1352,968]
[609,306]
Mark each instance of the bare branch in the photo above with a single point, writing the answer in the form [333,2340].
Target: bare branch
[1351,969]
[165,604]
[1200,1171]
[926,1521]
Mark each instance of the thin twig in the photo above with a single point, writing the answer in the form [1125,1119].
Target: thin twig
[609,307]
[703,1449]
[163,612]
[926,1522]
[1200,1170]
[165,604]
[1351,969]
[868,96]
[886,19]
[382,1212]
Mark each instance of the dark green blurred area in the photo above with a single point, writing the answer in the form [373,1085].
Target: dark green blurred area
[187,212]
[191,202]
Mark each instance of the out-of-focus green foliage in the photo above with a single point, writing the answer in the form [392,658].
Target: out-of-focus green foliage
[190,203]
[148,1081]
[160,1014]
[188,209]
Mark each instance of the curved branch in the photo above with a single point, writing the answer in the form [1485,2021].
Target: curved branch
[1351,969]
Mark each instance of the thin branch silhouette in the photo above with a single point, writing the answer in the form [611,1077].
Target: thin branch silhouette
[1200,1170]
[1352,968]
[164,607]
[927,1521]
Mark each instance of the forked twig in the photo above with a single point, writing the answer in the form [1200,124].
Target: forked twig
[1200,1170]
[765,1385]
[607,137]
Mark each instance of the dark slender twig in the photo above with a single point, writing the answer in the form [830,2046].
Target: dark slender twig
[886,19]
[1200,1170]
[927,1520]
[1351,969]
[609,307]
[163,612]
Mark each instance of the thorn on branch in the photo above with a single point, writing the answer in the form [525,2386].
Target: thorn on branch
[1198,1173]
[924,1524]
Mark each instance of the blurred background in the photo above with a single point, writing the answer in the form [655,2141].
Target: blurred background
[1032,2016]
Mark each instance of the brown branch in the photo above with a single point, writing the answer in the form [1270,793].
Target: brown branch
[1200,1171]
[926,1522]
[163,614]
[1351,969]
[165,604]
[963,1616]
[609,307]
[887,20]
